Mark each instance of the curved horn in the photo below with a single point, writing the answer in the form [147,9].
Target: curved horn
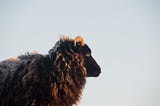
[78,39]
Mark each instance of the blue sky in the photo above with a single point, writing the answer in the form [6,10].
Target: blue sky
[124,36]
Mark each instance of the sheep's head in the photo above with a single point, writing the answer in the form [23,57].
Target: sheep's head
[92,68]
[72,49]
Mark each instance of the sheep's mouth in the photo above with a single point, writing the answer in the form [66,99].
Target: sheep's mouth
[95,74]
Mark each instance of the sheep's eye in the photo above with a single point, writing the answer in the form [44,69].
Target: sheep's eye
[88,54]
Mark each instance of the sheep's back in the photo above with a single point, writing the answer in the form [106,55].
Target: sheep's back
[23,80]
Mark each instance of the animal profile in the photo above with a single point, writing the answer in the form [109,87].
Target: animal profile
[54,79]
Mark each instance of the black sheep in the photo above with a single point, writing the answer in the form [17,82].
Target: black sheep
[55,79]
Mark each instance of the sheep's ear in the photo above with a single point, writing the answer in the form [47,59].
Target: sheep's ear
[78,40]
[52,53]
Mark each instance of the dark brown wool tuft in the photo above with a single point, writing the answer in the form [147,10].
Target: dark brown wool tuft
[69,76]
[56,79]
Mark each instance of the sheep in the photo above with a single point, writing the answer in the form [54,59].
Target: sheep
[54,79]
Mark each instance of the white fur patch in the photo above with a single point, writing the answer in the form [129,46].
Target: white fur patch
[14,59]
[35,52]
[65,37]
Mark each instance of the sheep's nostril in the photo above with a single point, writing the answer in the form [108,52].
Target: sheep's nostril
[99,70]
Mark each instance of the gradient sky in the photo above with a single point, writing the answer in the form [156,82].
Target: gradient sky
[124,36]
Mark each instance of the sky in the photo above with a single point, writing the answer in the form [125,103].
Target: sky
[124,36]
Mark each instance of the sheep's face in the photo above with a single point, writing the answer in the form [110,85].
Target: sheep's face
[92,68]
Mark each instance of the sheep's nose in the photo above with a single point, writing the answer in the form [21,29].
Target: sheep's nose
[97,73]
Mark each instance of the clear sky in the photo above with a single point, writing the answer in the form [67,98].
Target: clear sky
[124,36]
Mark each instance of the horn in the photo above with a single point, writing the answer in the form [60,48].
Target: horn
[78,39]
